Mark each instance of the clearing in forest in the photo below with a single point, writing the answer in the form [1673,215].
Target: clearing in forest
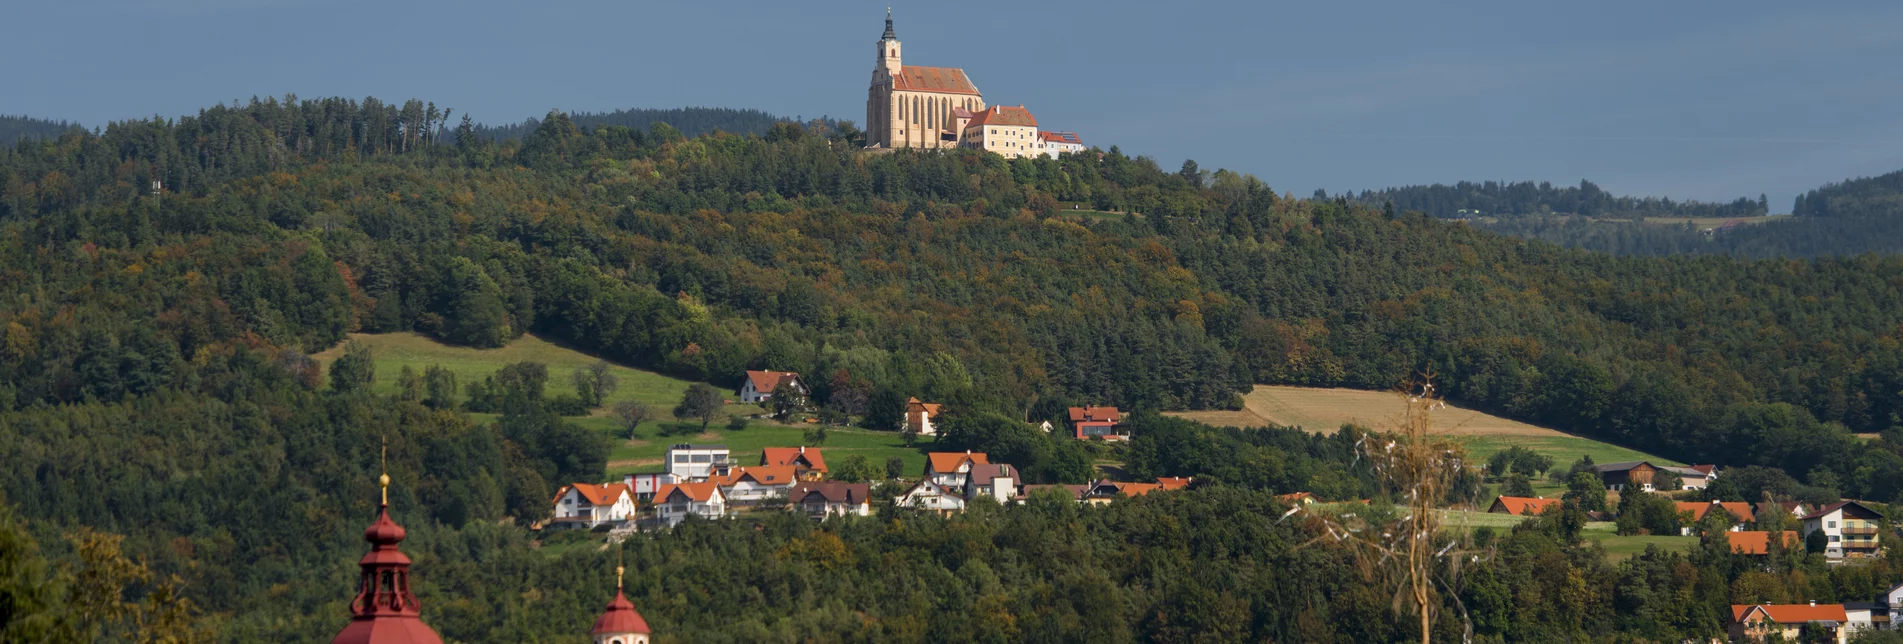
[1325,410]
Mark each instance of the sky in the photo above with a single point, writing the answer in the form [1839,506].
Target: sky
[1698,100]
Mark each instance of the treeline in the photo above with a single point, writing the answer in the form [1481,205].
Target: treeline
[1519,198]
[1807,236]
[14,128]
[1868,197]
[691,121]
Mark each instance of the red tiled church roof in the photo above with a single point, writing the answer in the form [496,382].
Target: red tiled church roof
[944,80]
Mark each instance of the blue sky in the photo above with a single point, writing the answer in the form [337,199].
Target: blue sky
[1707,100]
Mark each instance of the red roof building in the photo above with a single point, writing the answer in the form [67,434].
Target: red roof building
[1758,542]
[1522,505]
[384,610]
[620,624]
[1757,622]
[806,461]
[1091,421]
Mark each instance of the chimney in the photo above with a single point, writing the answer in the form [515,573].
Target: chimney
[1813,603]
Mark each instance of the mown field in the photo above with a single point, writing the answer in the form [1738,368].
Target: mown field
[393,351]
[1617,547]
[1325,410]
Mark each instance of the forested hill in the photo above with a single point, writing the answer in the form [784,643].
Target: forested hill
[1880,196]
[691,121]
[1512,199]
[14,128]
[154,378]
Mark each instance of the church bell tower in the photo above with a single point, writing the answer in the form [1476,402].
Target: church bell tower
[889,47]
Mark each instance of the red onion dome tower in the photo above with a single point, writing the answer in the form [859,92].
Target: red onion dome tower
[620,624]
[384,611]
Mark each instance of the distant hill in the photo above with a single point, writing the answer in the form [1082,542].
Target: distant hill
[1839,219]
[14,128]
[691,121]
[1521,198]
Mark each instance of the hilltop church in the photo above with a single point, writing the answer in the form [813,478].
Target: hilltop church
[909,106]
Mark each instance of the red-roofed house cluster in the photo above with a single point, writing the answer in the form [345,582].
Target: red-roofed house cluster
[704,481]
[910,106]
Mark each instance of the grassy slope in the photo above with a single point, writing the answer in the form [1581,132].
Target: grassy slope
[393,351]
[1617,547]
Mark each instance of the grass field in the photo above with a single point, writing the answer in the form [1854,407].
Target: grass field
[1617,547]
[1325,410]
[393,351]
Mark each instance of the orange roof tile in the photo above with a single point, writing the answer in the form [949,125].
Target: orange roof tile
[1758,542]
[1739,510]
[765,381]
[950,461]
[595,494]
[700,492]
[1296,497]
[943,80]
[763,475]
[1792,613]
[1095,413]
[1523,505]
[1138,489]
[1060,137]
[1174,482]
[794,456]
[1002,115]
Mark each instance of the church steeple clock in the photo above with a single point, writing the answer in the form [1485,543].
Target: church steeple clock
[384,610]
[889,48]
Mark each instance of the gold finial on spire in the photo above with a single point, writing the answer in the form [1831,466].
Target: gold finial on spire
[383,466]
[619,569]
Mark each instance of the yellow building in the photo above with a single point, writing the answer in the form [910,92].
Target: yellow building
[1010,131]
[908,106]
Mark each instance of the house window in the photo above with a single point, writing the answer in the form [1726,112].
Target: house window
[1830,524]
[1835,538]
[703,458]
[680,458]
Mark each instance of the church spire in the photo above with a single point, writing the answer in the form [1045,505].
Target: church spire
[384,610]
[620,623]
[888,26]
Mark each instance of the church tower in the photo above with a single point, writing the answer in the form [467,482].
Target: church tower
[889,48]
[620,624]
[385,611]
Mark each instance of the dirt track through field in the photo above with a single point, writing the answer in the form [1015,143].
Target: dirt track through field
[1325,410]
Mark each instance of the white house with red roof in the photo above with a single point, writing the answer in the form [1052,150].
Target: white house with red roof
[807,462]
[586,505]
[1008,131]
[755,485]
[951,470]
[760,385]
[1052,144]
[1759,622]
[674,503]
[999,481]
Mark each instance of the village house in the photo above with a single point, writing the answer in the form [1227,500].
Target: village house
[1692,512]
[1523,505]
[645,485]
[760,385]
[807,463]
[1758,542]
[674,503]
[951,470]
[1639,475]
[1849,528]
[1053,144]
[749,486]
[1007,131]
[697,462]
[929,495]
[1761,622]
[1096,422]
[585,505]
[998,481]
[822,499]
[1104,491]
[918,417]
[1297,498]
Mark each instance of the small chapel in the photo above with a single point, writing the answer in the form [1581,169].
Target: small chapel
[909,106]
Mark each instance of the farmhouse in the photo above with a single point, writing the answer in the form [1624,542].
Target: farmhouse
[1850,529]
[585,505]
[1763,621]
[1640,475]
[760,385]
[674,503]
[1740,512]
[807,463]
[919,415]
[1522,505]
[821,499]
